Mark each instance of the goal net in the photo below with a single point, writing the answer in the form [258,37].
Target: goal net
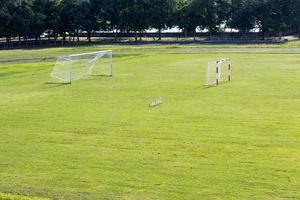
[217,72]
[77,66]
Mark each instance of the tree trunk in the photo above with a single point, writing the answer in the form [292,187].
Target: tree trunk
[115,33]
[120,35]
[77,34]
[7,42]
[55,39]
[48,35]
[135,36]
[64,37]
[159,34]
[19,41]
[280,35]
[263,35]
[89,36]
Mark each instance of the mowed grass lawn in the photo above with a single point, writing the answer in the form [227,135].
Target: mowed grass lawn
[98,139]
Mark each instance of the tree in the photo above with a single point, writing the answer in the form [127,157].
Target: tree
[295,15]
[272,15]
[204,14]
[31,18]
[281,15]
[86,18]
[109,14]
[161,12]
[5,15]
[68,11]
[216,13]
[37,18]
[7,6]
[136,16]
[242,16]
[187,16]
[49,10]
[21,14]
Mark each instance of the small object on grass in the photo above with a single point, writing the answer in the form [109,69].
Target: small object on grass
[155,102]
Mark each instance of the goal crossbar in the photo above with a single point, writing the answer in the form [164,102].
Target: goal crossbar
[95,52]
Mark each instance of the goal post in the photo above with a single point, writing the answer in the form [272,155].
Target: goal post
[77,66]
[217,72]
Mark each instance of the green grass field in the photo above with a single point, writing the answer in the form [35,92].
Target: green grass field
[98,139]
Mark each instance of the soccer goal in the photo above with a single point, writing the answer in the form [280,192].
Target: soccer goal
[217,72]
[77,66]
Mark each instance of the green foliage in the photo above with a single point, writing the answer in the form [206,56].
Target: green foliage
[295,15]
[268,15]
[136,15]
[32,18]
[242,17]
[161,13]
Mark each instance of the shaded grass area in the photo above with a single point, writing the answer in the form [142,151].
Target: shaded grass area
[50,54]
[4,196]
[98,139]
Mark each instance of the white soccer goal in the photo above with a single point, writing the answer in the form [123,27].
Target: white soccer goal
[74,67]
[217,72]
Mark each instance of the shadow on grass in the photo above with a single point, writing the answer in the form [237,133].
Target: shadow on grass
[53,84]
[205,87]
[101,75]
[154,42]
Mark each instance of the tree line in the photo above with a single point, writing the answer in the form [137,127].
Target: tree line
[59,18]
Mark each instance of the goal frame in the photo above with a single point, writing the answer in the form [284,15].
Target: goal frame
[215,70]
[67,65]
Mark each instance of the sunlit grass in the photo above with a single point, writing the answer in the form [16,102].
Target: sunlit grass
[98,139]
